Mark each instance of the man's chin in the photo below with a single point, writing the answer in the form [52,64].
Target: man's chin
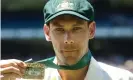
[71,61]
[70,64]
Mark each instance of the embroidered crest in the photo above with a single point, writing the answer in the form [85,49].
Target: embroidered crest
[65,5]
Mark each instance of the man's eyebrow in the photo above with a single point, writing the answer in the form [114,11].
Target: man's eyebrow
[79,23]
[57,24]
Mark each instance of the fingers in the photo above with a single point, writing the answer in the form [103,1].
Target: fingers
[11,76]
[20,63]
[12,66]
[10,69]
[12,62]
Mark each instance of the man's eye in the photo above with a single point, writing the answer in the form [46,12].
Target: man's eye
[60,29]
[77,28]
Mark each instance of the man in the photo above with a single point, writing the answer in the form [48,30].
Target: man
[69,25]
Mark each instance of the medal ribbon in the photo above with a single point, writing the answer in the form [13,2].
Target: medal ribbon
[85,60]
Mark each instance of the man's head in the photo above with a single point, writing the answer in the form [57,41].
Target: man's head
[69,29]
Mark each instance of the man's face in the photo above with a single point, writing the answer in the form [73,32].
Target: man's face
[69,36]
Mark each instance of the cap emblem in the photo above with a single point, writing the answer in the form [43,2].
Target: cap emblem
[65,5]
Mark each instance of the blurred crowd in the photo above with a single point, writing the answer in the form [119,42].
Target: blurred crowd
[127,65]
[118,62]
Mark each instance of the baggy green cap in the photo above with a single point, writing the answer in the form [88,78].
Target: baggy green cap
[80,8]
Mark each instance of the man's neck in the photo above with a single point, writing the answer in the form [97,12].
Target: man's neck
[73,74]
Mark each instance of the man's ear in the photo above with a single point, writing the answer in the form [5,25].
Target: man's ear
[47,32]
[92,28]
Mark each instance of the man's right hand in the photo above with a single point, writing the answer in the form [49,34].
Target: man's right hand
[11,69]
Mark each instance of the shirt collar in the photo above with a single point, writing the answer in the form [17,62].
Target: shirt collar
[95,72]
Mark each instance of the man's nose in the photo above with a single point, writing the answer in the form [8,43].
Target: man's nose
[68,38]
[68,41]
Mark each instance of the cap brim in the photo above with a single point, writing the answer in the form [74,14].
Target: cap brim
[67,12]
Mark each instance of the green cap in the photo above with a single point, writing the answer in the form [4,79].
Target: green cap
[80,8]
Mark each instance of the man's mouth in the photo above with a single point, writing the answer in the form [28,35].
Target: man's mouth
[70,50]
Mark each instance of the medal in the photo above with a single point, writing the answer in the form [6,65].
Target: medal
[34,71]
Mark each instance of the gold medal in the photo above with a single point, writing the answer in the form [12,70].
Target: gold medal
[34,71]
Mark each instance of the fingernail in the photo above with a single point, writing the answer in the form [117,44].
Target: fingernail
[24,65]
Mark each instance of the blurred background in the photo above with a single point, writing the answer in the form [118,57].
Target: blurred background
[22,31]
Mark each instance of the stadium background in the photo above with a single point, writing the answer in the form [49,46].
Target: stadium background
[22,31]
